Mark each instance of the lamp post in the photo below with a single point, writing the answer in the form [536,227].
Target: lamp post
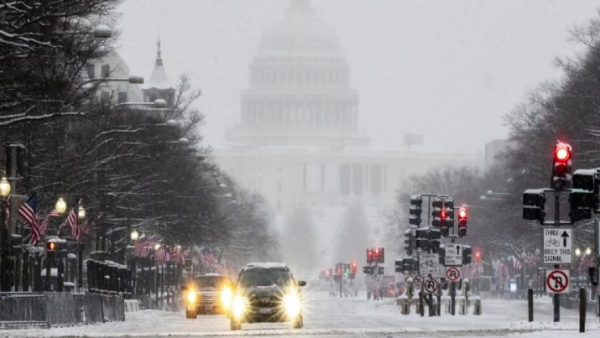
[4,240]
[157,276]
[80,216]
[134,236]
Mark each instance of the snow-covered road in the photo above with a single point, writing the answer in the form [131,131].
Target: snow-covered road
[348,317]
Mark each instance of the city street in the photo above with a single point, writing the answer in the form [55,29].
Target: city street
[348,317]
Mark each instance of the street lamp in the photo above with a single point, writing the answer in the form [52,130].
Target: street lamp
[81,212]
[135,235]
[60,206]
[577,252]
[156,246]
[4,187]
[102,32]
[588,251]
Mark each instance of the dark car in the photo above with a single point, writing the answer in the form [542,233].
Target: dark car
[208,294]
[267,293]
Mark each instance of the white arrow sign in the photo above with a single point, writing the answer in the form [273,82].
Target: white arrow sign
[454,253]
[557,245]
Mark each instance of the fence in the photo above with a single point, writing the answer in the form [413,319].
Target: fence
[58,309]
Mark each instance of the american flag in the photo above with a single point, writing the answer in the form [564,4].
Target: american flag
[516,263]
[29,213]
[73,220]
[84,230]
[207,258]
[162,256]
[142,247]
[7,213]
[46,221]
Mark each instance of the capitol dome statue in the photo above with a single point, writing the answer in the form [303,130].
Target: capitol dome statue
[299,91]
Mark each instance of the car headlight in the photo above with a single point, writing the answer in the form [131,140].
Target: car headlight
[226,297]
[238,306]
[191,297]
[292,304]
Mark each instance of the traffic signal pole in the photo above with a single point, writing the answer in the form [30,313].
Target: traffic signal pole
[556,296]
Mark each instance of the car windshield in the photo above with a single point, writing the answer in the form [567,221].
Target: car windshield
[216,282]
[266,277]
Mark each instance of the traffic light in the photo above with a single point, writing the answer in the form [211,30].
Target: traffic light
[368,269]
[51,248]
[581,204]
[416,203]
[399,266]
[442,255]
[561,166]
[428,239]
[448,212]
[437,212]
[370,256]
[533,205]
[379,256]
[346,270]
[477,255]
[339,269]
[409,241]
[380,270]
[462,221]
[467,255]
[353,268]
[410,264]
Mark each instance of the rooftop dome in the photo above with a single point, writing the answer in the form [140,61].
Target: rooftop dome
[303,31]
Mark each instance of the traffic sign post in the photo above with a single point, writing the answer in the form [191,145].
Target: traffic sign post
[453,274]
[429,264]
[453,254]
[558,244]
[557,281]
[430,285]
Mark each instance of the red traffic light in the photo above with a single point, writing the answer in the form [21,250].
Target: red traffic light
[477,255]
[462,213]
[562,151]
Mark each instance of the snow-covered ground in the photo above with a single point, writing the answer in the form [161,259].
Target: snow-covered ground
[348,317]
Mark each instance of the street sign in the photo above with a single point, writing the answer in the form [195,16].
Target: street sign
[557,245]
[453,274]
[429,264]
[430,285]
[418,280]
[454,255]
[557,281]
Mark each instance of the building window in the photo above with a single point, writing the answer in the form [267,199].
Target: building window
[358,179]
[105,72]
[105,98]
[91,71]
[122,97]
[345,179]
[376,179]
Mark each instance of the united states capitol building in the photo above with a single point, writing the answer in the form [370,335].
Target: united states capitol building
[299,141]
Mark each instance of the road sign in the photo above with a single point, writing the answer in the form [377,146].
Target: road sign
[557,245]
[418,280]
[453,255]
[557,281]
[429,264]
[453,274]
[430,285]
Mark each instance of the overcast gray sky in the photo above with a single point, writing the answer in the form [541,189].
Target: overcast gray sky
[447,69]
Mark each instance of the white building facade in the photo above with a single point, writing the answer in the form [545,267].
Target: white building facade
[299,140]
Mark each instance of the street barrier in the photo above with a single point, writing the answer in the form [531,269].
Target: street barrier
[54,309]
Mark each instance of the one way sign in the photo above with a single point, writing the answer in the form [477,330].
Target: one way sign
[557,245]
[454,254]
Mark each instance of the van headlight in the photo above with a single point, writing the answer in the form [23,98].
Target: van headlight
[191,297]
[226,297]
[292,305]
[238,306]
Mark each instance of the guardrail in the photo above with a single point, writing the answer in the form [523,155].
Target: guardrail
[58,309]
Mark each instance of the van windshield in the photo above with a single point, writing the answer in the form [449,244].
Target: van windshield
[266,277]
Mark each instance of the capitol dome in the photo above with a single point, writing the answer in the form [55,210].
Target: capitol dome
[300,90]
[302,32]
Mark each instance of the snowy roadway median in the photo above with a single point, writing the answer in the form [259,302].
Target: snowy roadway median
[348,317]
